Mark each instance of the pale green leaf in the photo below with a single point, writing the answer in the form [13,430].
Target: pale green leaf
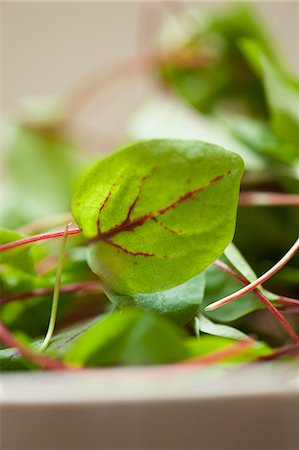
[159,212]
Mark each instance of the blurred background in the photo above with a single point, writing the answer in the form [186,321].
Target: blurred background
[49,47]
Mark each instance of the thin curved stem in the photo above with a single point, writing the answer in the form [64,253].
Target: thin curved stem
[44,224]
[268,199]
[220,355]
[283,322]
[251,286]
[37,237]
[289,349]
[41,292]
[54,308]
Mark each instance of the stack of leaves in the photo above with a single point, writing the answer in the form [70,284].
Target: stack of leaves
[137,279]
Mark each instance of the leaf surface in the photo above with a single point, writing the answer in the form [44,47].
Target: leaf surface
[180,303]
[159,212]
[129,337]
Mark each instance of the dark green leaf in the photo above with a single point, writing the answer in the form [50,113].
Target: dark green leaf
[180,303]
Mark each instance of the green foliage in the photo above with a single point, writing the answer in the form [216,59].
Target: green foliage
[155,206]
[46,166]
[129,337]
[180,303]
[226,81]
[282,91]
[156,214]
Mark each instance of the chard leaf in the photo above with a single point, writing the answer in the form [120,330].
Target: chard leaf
[180,303]
[129,337]
[205,325]
[159,212]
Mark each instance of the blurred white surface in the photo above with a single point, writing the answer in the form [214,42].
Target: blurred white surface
[47,47]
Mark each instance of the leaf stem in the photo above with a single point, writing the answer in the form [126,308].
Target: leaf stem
[42,361]
[44,224]
[268,199]
[37,237]
[219,355]
[53,315]
[41,292]
[284,323]
[289,349]
[251,286]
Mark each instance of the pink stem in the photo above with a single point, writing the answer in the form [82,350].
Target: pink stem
[251,286]
[289,349]
[219,355]
[284,323]
[42,361]
[268,199]
[67,288]
[38,237]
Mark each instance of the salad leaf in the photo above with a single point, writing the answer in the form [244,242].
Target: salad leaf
[282,91]
[153,207]
[180,303]
[43,168]
[205,325]
[129,337]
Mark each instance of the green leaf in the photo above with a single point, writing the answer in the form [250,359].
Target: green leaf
[208,344]
[129,337]
[282,91]
[205,325]
[159,211]
[19,257]
[225,82]
[180,303]
[43,168]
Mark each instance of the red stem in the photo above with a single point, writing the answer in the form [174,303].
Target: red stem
[219,355]
[289,349]
[268,199]
[67,288]
[254,284]
[284,323]
[40,360]
[38,237]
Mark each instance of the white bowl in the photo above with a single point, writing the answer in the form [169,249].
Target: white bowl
[170,407]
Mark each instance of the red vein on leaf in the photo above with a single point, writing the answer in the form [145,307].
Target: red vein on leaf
[67,288]
[165,226]
[119,247]
[38,237]
[283,322]
[101,209]
[40,360]
[251,286]
[129,225]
